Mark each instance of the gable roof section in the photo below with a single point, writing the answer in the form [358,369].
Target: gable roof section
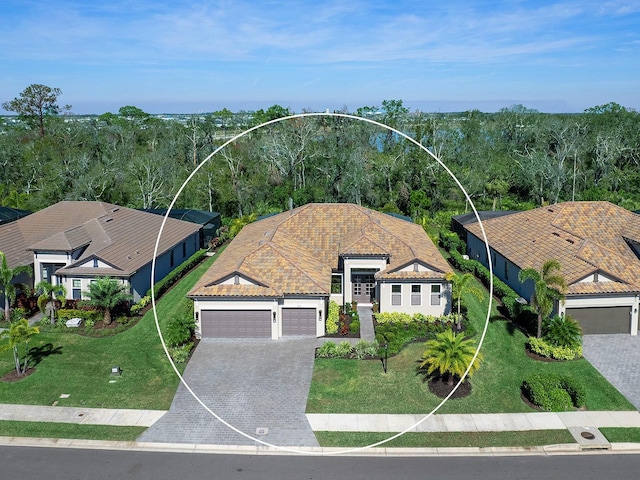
[294,253]
[121,237]
[585,237]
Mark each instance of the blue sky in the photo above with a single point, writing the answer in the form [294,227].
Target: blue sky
[200,56]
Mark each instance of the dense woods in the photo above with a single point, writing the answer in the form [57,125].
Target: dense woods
[513,159]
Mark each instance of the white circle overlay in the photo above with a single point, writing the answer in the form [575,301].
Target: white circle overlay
[283,119]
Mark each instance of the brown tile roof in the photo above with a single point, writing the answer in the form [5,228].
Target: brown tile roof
[585,237]
[122,237]
[295,252]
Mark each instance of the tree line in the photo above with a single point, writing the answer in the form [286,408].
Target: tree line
[512,159]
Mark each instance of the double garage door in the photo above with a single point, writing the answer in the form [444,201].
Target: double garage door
[597,320]
[256,323]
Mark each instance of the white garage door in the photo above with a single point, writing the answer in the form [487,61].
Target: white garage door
[299,321]
[236,323]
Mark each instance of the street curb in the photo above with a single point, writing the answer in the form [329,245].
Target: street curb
[559,449]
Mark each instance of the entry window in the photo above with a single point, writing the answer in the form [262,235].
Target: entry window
[336,283]
[435,294]
[396,294]
[77,292]
[416,295]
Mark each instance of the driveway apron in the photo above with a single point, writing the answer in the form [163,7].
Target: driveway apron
[258,386]
[617,358]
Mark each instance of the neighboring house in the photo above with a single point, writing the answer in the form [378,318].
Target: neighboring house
[73,243]
[278,274]
[209,221]
[597,245]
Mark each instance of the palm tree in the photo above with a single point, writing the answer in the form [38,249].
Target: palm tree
[50,293]
[106,293]
[6,276]
[548,287]
[450,354]
[20,333]
[459,285]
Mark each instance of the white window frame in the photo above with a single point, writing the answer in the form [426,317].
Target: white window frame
[396,297]
[416,297]
[436,293]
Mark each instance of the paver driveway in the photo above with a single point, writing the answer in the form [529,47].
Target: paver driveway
[617,358]
[251,384]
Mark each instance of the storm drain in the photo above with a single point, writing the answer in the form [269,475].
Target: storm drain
[590,438]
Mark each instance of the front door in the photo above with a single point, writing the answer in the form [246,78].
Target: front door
[364,287]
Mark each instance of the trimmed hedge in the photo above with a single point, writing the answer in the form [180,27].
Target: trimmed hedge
[522,314]
[553,392]
[177,273]
[543,348]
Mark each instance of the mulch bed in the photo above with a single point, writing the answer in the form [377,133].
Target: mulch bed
[441,389]
[13,376]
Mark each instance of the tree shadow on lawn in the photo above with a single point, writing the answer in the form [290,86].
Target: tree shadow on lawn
[441,385]
[36,354]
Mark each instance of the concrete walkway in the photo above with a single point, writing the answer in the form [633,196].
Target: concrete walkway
[86,416]
[475,422]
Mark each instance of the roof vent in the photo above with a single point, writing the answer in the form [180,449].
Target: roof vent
[115,209]
[555,234]
[550,210]
[570,241]
[108,219]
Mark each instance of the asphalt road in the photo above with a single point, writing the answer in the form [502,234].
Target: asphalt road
[71,464]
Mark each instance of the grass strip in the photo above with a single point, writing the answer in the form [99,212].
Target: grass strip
[621,434]
[10,428]
[531,438]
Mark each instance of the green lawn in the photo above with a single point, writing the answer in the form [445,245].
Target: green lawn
[70,430]
[446,439]
[360,386]
[81,366]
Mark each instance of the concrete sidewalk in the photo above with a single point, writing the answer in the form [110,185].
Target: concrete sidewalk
[487,422]
[88,416]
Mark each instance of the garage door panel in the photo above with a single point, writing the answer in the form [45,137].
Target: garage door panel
[236,323]
[299,322]
[602,320]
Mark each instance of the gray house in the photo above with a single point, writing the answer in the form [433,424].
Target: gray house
[72,243]
[597,245]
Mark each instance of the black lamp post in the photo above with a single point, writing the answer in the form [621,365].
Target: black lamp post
[385,358]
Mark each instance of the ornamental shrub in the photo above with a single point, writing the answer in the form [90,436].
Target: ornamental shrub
[354,327]
[365,349]
[553,392]
[333,318]
[343,349]
[543,348]
[327,350]
[180,354]
[562,331]
[65,314]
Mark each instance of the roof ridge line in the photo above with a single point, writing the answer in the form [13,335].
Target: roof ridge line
[295,265]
